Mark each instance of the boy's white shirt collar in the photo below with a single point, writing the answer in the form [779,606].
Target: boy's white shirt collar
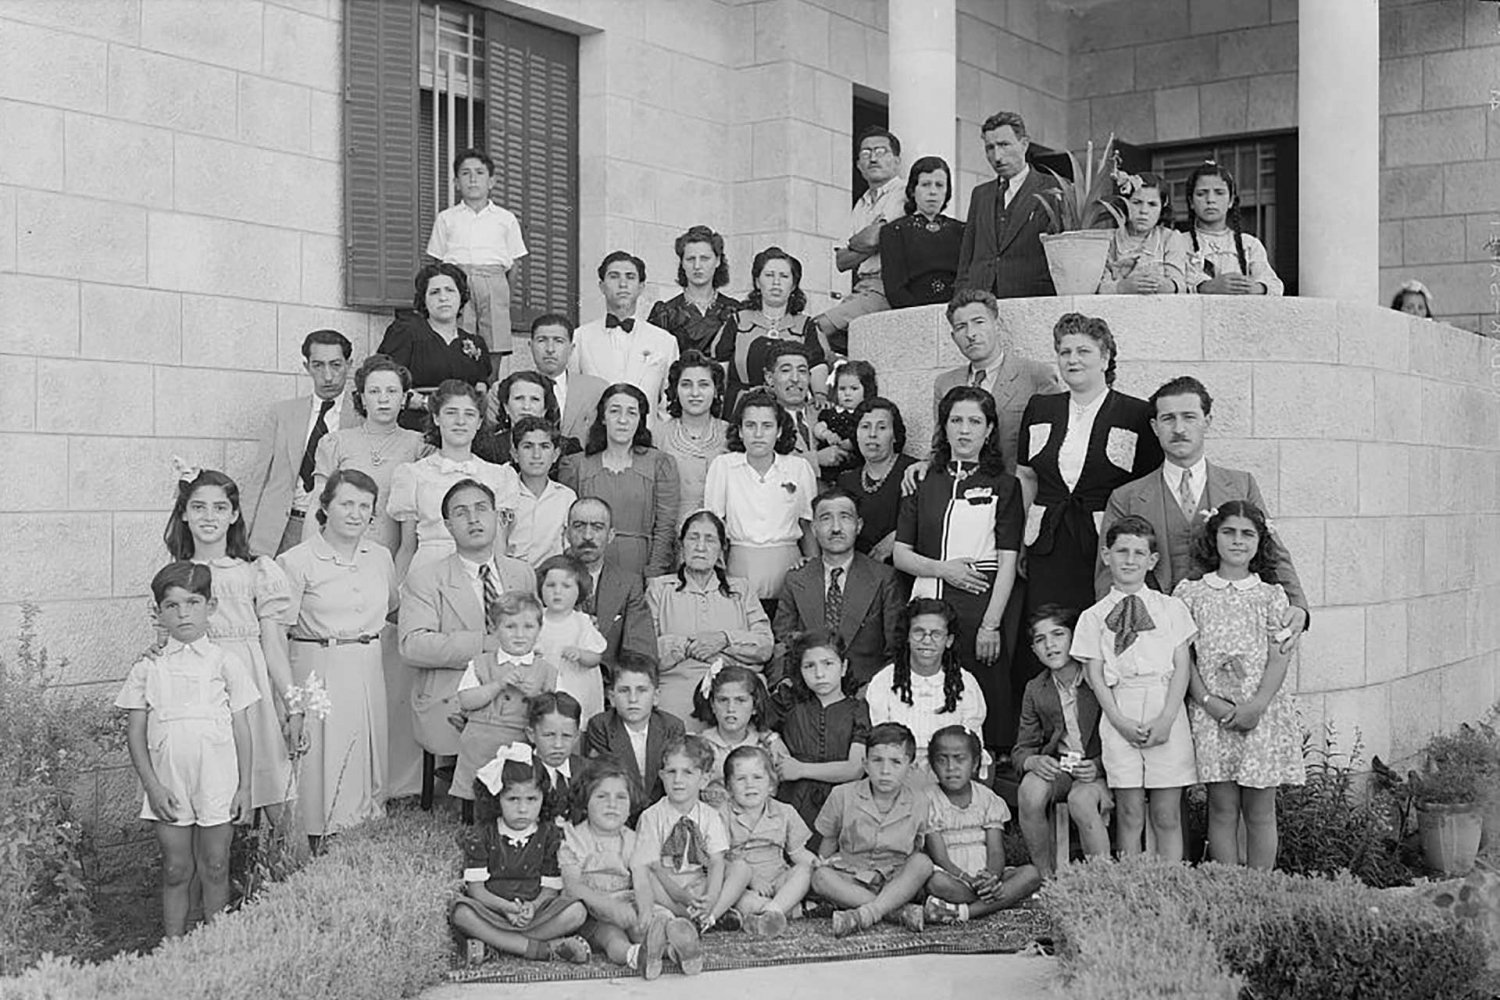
[200,645]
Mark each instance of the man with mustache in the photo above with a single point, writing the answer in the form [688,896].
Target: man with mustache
[843,591]
[1177,497]
[617,599]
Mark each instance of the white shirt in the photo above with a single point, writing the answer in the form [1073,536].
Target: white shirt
[1068,695]
[991,372]
[1074,449]
[924,716]
[487,238]
[471,568]
[638,745]
[641,357]
[1172,476]
[760,511]
[301,499]
[886,203]
[560,389]
[538,529]
[1147,660]
[1015,185]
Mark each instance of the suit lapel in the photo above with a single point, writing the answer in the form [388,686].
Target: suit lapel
[857,596]
[294,430]
[624,753]
[1020,209]
[461,592]
[1154,498]
[1005,387]
[656,741]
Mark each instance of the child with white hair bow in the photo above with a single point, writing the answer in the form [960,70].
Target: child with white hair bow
[512,898]
[732,702]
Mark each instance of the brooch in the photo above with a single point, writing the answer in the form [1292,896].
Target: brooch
[789,487]
[933,226]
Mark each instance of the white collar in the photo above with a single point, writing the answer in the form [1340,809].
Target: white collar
[1116,595]
[829,566]
[566,770]
[875,194]
[1217,582]
[517,838]
[488,206]
[1014,184]
[1173,474]
[990,369]
[502,658]
[472,568]
[1089,411]
[200,646]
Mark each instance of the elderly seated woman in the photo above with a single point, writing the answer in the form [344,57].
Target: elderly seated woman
[703,615]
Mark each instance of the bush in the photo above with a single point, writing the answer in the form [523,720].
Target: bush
[47,742]
[1289,937]
[1462,767]
[368,918]
[1332,824]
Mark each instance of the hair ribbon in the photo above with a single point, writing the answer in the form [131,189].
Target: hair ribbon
[491,773]
[706,685]
[184,471]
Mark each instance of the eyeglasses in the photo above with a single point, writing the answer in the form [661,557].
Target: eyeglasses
[929,634]
[874,153]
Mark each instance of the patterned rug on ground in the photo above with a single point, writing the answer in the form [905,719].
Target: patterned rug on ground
[805,941]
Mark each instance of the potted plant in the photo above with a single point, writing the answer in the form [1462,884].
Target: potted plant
[1081,221]
[1450,793]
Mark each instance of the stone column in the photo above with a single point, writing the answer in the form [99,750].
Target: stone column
[924,78]
[1338,146]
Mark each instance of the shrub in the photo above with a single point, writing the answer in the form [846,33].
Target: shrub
[47,741]
[367,918]
[1462,767]
[1332,824]
[1290,937]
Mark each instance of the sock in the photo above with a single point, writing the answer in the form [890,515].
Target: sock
[538,950]
[963,911]
[633,956]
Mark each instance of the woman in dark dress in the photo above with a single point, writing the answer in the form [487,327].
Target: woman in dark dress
[959,536]
[520,394]
[919,253]
[772,311]
[697,315]
[429,343]
[880,435]
[1075,448]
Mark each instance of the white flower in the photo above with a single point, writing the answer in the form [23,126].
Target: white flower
[311,698]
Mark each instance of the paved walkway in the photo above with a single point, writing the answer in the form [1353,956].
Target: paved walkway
[928,977]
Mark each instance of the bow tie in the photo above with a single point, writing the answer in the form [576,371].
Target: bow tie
[1128,619]
[611,321]
[447,466]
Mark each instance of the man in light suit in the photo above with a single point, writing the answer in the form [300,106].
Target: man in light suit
[868,594]
[577,394]
[618,600]
[1002,248]
[1188,482]
[442,624]
[277,493]
[620,347]
[1012,379]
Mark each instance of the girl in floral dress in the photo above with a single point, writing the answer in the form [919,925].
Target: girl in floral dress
[1244,723]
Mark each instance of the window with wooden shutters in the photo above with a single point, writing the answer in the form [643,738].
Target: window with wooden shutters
[426,79]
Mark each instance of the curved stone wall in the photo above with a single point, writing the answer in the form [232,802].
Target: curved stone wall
[1376,440]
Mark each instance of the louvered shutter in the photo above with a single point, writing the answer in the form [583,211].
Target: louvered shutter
[531,105]
[382,244]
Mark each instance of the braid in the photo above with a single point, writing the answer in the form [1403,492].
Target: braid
[682,577]
[901,677]
[723,580]
[953,682]
[1233,218]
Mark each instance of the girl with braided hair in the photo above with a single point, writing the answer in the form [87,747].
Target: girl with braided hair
[926,689]
[1224,260]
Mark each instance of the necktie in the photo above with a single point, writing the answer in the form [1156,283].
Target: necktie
[1185,498]
[833,604]
[611,322]
[1001,191]
[320,427]
[803,433]
[491,595]
[978,380]
[1127,621]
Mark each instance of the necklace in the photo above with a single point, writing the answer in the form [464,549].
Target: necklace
[774,322]
[377,452]
[871,485]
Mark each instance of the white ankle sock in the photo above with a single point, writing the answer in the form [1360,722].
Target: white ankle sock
[963,911]
[633,956]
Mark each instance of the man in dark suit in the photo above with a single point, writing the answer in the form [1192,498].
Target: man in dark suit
[844,591]
[1012,379]
[1175,497]
[278,490]
[577,394]
[617,600]
[1002,249]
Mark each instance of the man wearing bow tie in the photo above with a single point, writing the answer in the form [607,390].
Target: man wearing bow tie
[620,347]
[444,618]
[278,489]
[1175,497]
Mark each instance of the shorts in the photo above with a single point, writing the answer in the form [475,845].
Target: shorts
[198,764]
[873,879]
[1171,765]
[767,885]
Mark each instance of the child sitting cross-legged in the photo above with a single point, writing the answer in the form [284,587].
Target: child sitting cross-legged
[512,897]
[968,855]
[595,862]
[873,829]
[679,858]
[1057,747]
[765,834]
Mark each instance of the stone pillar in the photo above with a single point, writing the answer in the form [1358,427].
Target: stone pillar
[924,78]
[1338,146]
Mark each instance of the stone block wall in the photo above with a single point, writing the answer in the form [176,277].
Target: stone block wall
[170,228]
[1372,437]
[1166,71]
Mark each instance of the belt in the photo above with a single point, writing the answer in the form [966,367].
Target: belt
[361,640]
